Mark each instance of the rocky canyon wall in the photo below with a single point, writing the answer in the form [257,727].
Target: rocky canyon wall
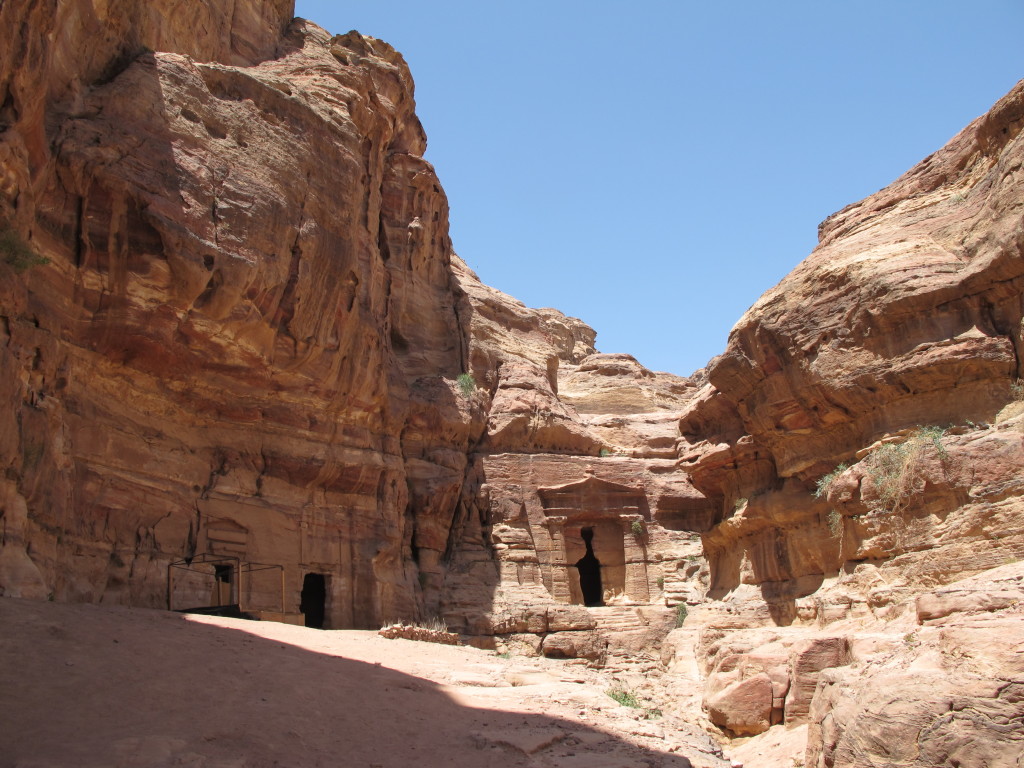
[240,363]
[861,441]
[903,326]
[246,311]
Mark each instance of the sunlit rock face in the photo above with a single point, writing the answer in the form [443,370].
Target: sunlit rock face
[247,318]
[904,322]
[860,443]
[240,363]
[252,370]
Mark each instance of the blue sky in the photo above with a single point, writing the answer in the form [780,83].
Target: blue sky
[653,167]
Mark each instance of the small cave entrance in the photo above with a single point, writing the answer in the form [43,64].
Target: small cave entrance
[313,602]
[589,568]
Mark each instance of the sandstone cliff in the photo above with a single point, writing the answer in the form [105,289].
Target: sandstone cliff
[861,441]
[240,337]
[246,319]
[240,363]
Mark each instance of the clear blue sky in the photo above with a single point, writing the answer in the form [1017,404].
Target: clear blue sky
[653,167]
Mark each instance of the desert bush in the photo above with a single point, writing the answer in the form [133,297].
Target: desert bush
[637,528]
[1017,390]
[681,614]
[16,253]
[467,384]
[624,697]
[835,522]
[894,468]
[825,483]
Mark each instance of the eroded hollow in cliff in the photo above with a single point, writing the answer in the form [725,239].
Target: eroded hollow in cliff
[313,603]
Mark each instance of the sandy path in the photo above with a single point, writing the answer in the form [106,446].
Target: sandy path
[94,686]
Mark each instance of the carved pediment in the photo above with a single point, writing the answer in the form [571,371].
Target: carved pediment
[592,495]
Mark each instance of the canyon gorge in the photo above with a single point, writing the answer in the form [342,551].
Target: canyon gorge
[241,363]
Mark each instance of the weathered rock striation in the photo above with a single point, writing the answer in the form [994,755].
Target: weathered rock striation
[241,364]
[253,371]
[246,340]
[861,441]
[907,315]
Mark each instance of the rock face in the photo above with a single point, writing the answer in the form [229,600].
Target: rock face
[908,315]
[860,443]
[245,343]
[241,365]
[253,372]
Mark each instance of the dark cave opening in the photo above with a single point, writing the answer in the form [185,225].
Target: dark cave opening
[589,568]
[313,602]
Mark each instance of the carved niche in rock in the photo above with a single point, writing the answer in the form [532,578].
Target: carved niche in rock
[598,539]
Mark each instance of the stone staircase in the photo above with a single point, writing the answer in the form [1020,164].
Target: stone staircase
[617,618]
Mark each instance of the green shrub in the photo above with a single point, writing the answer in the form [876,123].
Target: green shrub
[604,453]
[624,697]
[825,483]
[467,384]
[894,467]
[934,436]
[681,614]
[1016,391]
[637,528]
[17,253]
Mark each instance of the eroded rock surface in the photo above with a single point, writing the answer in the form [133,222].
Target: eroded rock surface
[245,343]
[240,363]
[860,440]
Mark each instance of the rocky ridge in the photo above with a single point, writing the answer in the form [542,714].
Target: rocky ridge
[251,343]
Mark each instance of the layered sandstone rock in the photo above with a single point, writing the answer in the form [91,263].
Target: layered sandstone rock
[908,315]
[253,371]
[860,443]
[245,344]
[935,686]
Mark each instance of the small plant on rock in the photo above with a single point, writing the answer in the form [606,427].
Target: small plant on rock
[934,435]
[825,483]
[894,468]
[467,384]
[16,252]
[623,697]
[1017,391]
[835,522]
[681,614]
[637,528]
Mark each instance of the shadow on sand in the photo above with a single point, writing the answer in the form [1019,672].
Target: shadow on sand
[91,686]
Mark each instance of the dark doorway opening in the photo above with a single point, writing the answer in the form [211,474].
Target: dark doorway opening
[222,592]
[589,568]
[314,599]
